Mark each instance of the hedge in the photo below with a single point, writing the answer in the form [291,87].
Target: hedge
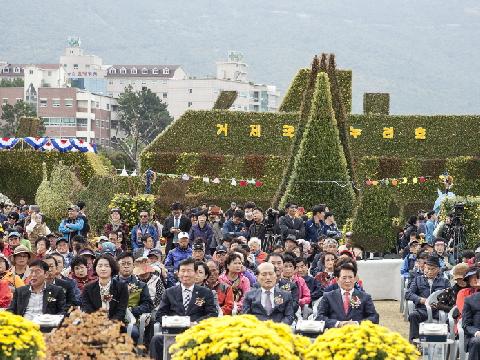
[321,157]
[292,101]
[372,223]
[446,136]
[196,131]
[22,170]
[225,100]
[376,103]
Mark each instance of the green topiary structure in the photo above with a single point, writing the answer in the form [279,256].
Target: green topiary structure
[292,100]
[376,103]
[225,100]
[321,157]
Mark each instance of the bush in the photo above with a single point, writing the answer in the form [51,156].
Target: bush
[25,167]
[56,194]
[321,157]
[225,100]
[20,338]
[292,101]
[363,342]
[238,337]
[130,206]
[376,103]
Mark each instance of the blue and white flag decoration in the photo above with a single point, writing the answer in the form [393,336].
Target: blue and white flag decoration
[36,142]
[8,143]
[49,144]
[62,145]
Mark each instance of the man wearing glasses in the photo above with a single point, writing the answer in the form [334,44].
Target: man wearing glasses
[141,229]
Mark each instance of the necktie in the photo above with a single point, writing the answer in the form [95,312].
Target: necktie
[268,303]
[186,298]
[176,224]
[346,302]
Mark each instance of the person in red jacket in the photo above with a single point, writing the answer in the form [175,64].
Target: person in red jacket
[288,273]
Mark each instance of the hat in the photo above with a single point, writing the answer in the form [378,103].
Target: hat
[459,271]
[198,246]
[183,235]
[471,271]
[73,207]
[221,248]
[4,258]
[13,215]
[87,252]
[433,261]
[61,239]
[20,249]
[291,238]
[102,238]
[14,233]
[155,252]
[439,240]
[108,248]
[142,267]
[115,210]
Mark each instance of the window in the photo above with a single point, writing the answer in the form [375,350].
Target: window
[68,102]
[56,102]
[75,66]
[133,71]
[112,71]
[155,71]
[43,102]
[165,95]
[144,88]
[166,71]
[31,72]
[4,101]
[144,71]
[190,90]
[123,70]
[97,104]
[144,83]
[49,73]
[108,106]
[82,122]
[16,70]
[110,82]
[97,123]
[190,104]
[6,70]
[87,66]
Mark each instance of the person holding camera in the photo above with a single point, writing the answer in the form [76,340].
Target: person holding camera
[290,224]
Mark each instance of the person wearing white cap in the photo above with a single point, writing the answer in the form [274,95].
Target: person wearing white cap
[181,252]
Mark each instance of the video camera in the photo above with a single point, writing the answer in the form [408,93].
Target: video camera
[459,209]
[271,219]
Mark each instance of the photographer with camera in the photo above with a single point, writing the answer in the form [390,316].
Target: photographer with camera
[234,227]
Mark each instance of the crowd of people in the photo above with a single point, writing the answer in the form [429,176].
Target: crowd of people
[278,265]
[429,266]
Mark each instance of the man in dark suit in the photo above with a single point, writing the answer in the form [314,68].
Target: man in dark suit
[175,224]
[420,290]
[269,302]
[290,224]
[346,305]
[186,299]
[471,325]
[38,297]
[65,285]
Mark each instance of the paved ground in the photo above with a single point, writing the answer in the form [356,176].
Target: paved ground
[391,317]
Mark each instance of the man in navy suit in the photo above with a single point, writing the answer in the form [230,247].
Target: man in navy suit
[269,302]
[186,299]
[346,305]
[471,325]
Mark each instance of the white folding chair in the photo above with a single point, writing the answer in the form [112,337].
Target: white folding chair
[131,322]
[314,315]
[452,335]
[403,286]
[461,342]
[442,316]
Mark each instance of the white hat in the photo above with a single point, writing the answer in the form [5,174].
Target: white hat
[183,235]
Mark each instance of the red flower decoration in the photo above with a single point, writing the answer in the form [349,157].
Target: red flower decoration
[63,141]
[422,179]
[258,183]
[5,139]
[368,182]
[243,183]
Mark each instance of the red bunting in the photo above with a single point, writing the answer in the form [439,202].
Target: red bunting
[243,183]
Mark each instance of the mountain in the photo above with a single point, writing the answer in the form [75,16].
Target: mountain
[423,52]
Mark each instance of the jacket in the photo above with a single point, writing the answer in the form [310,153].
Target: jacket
[81,282]
[71,227]
[331,308]
[314,286]
[205,233]
[138,303]
[313,231]
[420,288]
[53,300]
[144,229]
[231,230]
[92,301]
[6,295]
[201,305]
[242,284]
[471,315]
[303,291]
[68,288]
[408,264]
[14,281]
[292,226]
[184,225]
[282,311]
[176,256]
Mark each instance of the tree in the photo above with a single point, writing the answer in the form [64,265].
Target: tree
[11,115]
[17,82]
[142,117]
[321,157]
